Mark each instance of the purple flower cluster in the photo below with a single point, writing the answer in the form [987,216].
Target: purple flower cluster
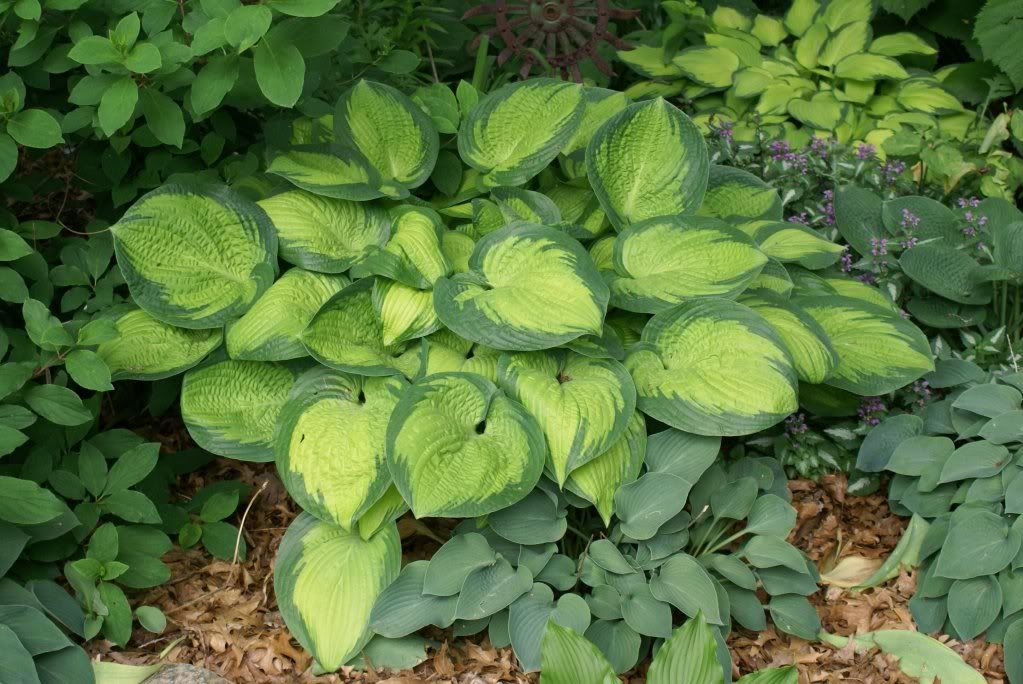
[847,260]
[909,220]
[829,207]
[821,147]
[891,171]
[865,152]
[922,390]
[974,221]
[871,410]
[878,247]
[725,131]
[909,243]
[796,424]
[801,217]
[965,202]
[781,151]
[867,278]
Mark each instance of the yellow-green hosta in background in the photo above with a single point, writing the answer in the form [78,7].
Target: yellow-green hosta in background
[495,348]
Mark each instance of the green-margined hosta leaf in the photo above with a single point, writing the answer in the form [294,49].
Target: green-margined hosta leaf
[329,443]
[230,408]
[713,368]
[792,242]
[348,335]
[599,105]
[529,288]
[529,206]
[878,350]
[389,133]
[149,349]
[458,447]
[195,257]
[272,329]
[581,214]
[810,284]
[325,234]
[328,170]
[774,277]
[812,354]
[327,580]
[648,160]
[516,131]
[737,195]
[386,510]
[405,312]
[599,479]
[583,405]
[414,255]
[665,261]
[444,351]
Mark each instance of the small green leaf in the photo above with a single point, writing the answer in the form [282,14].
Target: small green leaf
[88,370]
[34,128]
[151,618]
[280,71]
[118,105]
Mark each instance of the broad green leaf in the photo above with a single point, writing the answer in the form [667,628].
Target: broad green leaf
[458,447]
[979,543]
[795,615]
[813,357]
[570,658]
[713,368]
[685,584]
[935,219]
[737,195]
[666,261]
[347,334]
[690,656]
[807,49]
[529,288]
[530,615]
[279,69]
[327,581]
[996,29]
[946,271]
[323,233]
[973,604]
[57,404]
[581,214]
[707,65]
[648,160]
[974,460]
[329,443]
[517,130]
[195,257]
[23,502]
[148,349]
[88,370]
[404,608]
[230,408]
[17,666]
[392,135]
[491,589]
[34,128]
[878,350]
[839,14]
[387,509]
[272,329]
[858,217]
[599,479]
[459,557]
[583,405]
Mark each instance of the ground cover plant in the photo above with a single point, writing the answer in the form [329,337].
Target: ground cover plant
[498,349]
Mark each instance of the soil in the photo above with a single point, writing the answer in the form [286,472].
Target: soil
[223,616]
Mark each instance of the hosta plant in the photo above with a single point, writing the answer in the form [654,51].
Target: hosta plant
[449,331]
[955,465]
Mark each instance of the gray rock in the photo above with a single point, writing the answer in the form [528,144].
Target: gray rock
[185,674]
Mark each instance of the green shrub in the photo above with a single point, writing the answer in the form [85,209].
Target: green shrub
[465,344]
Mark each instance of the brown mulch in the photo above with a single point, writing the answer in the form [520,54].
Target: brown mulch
[223,616]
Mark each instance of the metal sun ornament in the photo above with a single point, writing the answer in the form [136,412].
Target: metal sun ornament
[566,32]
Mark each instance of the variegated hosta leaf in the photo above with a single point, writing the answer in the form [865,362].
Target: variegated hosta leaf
[812,354]
[195,257]
[389,133]
[737,195]
[598,480]
[810,284]
[405,312]
[530,288]
[791,242]
[457,248]
[665,261]
[444,351]
[582,404]
[329,444]
[648,160]
[713,368]
[149,349]
[327,170]
[230,408]
[323,233]
[348,335]
[414,255]
[458,447]
[272,329]
[878,350]
[529,206]
[385,511]
[599,105]
[773,277]
[581,214]
[327,580]
[516,131]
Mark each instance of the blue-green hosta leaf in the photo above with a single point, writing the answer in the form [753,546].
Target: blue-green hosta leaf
[328,170]
[713,368]
[599,105]
[404,607]
[791,242]
[567,657]
[666,261]
[598,480]
[858,217]
[583,405]
[530,615]
[812,354]
[530,288]
[390,133]
[230,408]
[936,220]
[405,312]
[648,160]
[195,257]
[329,443]
[737,195]
[517,130]
[458,447]
[327,581]
[946,271]
[878,350]
[149,349]
[272,329]
[324,233]
[684,583]
[348,335]
[414,255]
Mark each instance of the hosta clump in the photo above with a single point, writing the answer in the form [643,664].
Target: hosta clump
[516,325]
[956,466]
[692,537]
